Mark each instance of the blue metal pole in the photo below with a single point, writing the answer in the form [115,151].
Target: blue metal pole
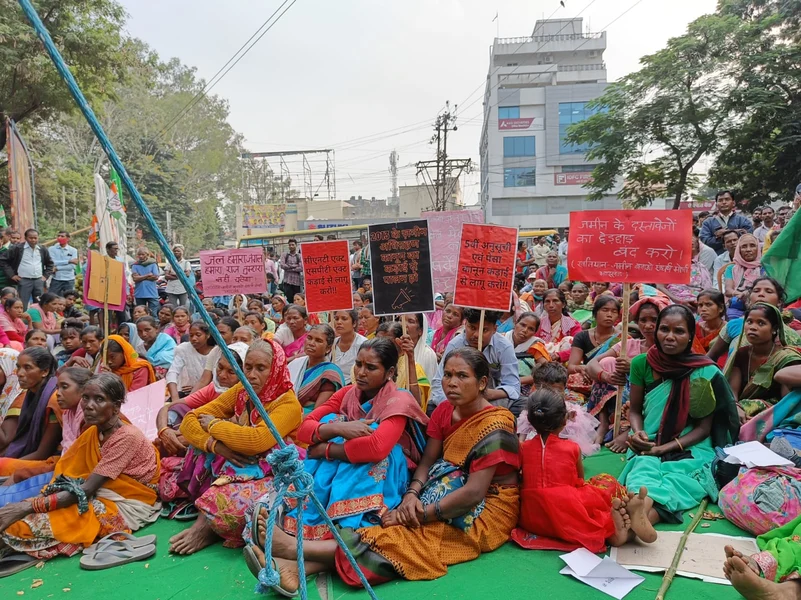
[114,159]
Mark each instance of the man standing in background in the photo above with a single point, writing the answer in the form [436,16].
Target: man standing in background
[65,258]
[28,265]
[293,271]
[176,294]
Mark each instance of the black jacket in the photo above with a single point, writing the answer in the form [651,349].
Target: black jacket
[9,261]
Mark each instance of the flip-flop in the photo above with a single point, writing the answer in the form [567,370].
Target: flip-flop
[166,509]
[252,561]
[14,563]
[130,540]
[185,511]
[115,556]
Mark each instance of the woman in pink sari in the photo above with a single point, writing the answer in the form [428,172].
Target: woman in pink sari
[452,317]
[293,338]
[12,324]
[557,325]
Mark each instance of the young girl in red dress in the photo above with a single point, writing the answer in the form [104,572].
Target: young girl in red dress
[555,501]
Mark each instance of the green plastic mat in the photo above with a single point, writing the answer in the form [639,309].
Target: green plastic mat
[220,573]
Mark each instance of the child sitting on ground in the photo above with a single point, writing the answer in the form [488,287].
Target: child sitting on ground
[555,501]
[581,425]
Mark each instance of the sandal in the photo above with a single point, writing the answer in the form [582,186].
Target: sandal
[15,563]
[252,561]
[132,541]
[115,556]
[184,511]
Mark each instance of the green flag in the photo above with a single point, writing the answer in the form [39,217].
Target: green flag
[781,258]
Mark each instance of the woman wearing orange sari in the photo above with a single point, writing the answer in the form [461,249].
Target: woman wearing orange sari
[105,482]
[124,362]
[462,501]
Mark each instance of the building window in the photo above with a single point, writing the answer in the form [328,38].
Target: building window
[571,113]
[519,146]
[520,177]
[508,112]
[577,168]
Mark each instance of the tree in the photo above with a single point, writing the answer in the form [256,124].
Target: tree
[654,125]
[761,158]
[87,32]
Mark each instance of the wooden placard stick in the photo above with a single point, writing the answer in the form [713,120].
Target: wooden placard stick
[405,357]
[624,336]
[105,310]
[674,566]
[481,331]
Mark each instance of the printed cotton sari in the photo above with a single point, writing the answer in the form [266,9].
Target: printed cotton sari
[122,504]
[308,381]
[161,354]
[295,347]
[485,439]
[358,494]
[779,558]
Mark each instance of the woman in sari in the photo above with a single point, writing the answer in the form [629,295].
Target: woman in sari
[13,320]
[276,311]
[123,361]
[31,430]
[529,349]
[159,347]
[700,279]
[314,378]
[409,375]
[368,322]
[730,338]
[608,370]
[681,407]
[225,470]
[417,328]
[9,383]
[452,317]
[446,516]
[557,324]
[739,277]
[43,314]
[348,341]
[88,355]
[590,342]
[292,334]
[553,273]
[362,442]
[711,315]
[104,483]
[165,317]
[30,476]
[181,322]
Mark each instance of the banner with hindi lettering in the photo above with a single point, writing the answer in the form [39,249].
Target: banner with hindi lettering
[486,267]
[227,272]
[326,272]
[630,246]
[445,231]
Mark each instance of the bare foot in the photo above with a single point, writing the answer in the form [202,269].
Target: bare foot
[753,587]
[638,508]
[750,562]
[622,523]
[619,444]
[197,537]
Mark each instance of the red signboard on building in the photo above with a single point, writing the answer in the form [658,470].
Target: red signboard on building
[572,178]
[511,124]
[630,246]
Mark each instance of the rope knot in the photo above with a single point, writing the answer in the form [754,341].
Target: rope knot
[289,476]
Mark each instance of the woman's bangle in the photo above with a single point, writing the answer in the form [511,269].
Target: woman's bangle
[437,511]
[214,446]
[212,423]
[679,444]
[162,430]
[210,444]
[414,384]
[327,450]
[52,502]
[316,434]
[422,484]
[412,491]
[425,513]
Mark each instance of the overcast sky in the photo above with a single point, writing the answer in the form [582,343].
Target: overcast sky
[365,77]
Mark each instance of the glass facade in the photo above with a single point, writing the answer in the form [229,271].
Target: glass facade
[571,113]
[508,112]
[519,146]
[520,177]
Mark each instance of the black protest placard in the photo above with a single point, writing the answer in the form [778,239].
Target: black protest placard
[400,260]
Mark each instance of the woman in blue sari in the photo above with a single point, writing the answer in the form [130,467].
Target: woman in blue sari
[159,348]
[315,378]
[362,443]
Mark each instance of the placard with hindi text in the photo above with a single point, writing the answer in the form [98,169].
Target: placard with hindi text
[486,267]
[630,246]
[227,272]
[400,261]
[326,273]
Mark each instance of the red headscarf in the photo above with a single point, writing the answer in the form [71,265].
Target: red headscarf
[278,384]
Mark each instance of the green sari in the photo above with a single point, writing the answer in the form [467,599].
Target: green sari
[758,394]
[780,556]
[680,485]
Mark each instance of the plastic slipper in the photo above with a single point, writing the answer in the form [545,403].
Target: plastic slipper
[132,541]
[115,556]
[185,511]
[252,561]
[166,509]
[14,563]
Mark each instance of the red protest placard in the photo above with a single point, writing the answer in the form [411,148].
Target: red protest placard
[630,246]
[326,271]
[486,267]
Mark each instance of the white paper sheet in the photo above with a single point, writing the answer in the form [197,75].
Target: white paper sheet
[604,574]
[754,454]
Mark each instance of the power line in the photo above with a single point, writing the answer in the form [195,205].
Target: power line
[210,85]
